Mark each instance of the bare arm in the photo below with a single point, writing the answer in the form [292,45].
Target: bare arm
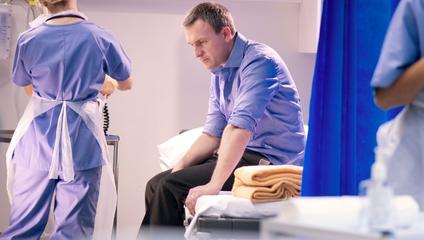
[234,142]
[404,90]
[125,85]
[233,145]
[202,148]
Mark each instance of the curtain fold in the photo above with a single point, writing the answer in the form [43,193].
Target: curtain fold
[343,118]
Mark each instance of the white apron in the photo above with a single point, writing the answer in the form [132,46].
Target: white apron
[91,113]
[401,146]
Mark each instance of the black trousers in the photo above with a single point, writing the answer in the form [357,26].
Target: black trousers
[166,192]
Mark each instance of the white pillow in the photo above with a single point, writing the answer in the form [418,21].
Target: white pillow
[172,150]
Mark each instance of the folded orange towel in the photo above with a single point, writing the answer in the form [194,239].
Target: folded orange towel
[267,183]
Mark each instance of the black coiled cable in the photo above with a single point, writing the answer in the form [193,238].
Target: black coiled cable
[106,119]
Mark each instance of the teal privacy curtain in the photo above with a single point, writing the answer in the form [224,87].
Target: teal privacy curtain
[343,118]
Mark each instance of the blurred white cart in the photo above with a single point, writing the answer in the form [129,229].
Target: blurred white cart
[279,228]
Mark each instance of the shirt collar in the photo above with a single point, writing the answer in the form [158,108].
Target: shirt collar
[236,55]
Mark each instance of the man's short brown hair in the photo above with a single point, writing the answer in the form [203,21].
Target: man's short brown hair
[215,14]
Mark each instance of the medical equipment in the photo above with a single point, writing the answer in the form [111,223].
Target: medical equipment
[6,19]
[105,112]
[106,118]
[5,30]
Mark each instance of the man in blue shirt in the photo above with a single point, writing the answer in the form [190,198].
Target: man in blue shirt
[254,117]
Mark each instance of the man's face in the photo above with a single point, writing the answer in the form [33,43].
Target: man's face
[210,47]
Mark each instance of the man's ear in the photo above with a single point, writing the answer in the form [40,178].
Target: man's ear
[228,35]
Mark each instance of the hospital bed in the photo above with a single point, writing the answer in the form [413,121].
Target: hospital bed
[224,214]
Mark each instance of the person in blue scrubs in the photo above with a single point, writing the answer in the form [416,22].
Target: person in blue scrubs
[254,117]
[63,62]
[399,81]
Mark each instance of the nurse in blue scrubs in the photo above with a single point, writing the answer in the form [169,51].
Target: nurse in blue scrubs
[399,81]
[59,145]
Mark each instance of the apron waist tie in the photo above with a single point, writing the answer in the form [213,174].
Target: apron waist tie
[62,145]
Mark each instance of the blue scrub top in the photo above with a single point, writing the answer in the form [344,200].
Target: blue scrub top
[403,44]
[65,62]
[254,91]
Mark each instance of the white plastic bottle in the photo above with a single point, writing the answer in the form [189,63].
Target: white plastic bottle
[380,199]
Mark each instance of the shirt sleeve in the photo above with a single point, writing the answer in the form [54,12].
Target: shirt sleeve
[116,62]
[259,83]
[215,120]
[400,48]
[20,73]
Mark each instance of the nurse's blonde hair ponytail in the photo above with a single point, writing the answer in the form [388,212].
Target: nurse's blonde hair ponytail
[53,3]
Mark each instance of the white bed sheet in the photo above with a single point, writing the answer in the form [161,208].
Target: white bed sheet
[226,205]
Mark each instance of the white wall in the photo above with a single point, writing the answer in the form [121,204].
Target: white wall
[171,86]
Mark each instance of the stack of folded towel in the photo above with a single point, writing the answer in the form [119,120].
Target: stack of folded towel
[267,183]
